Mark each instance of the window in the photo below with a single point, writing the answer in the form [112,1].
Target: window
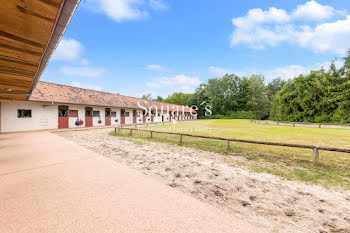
[24,113]
[73,113]
[62,111]
[134,113]
[122,112]
[107,112]
[96,113]
[88,111]
[113,114]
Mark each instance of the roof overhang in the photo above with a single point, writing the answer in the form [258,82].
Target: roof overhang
[30,30]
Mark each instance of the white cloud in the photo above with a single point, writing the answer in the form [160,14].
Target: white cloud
[291,71]
[260,29]
[313,10]
[155,67]
[157,4]
[78,84]
[68,50]
[258,16]
[326,37]
[179,83]
[120,10]
[219,71]
[287,72]
[82,71]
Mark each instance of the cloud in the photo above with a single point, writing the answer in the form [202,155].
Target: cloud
[68,50]
[261,29]
[157,5]
[121,10]
[219,71]
[82,71]
[314,11]
[258,16]
[287,72]
[179,83]
[78,84]
[291,71]
[156,68]
[326,37]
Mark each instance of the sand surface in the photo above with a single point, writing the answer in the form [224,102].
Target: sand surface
[278,204]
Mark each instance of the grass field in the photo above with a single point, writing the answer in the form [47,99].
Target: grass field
[333,169]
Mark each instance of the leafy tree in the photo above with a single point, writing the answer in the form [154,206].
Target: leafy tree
[178,98]
[321,96]
[223,92]
[200,98]
[159,98]
[274,86]
[258,101]
[147,96]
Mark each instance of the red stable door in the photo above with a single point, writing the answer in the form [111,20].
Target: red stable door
[63,119]
[144,119]
[152,118]
[134,115]
[122,120]
[88,117]
[107,116]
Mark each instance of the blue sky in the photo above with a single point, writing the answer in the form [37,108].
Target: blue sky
[134,47]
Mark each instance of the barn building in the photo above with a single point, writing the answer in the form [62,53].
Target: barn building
[29,33]
[55,106]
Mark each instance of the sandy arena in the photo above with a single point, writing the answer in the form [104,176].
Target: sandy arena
[278,204]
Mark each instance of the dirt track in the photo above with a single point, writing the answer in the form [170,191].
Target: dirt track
[280,205]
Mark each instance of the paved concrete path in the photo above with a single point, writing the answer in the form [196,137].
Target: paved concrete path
[49,184]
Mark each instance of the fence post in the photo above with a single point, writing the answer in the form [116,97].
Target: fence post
[115,130]
[228,145]
[319,126]
[151,134]
[180,138]
[315,157]
[130,131]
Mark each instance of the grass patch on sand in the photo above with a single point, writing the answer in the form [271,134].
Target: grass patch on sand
[333,169]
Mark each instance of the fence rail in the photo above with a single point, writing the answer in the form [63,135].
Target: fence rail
[315,149]
[307,124]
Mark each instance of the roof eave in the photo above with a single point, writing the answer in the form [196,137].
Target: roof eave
[65,16]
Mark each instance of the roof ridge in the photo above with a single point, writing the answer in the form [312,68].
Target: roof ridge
[65,85]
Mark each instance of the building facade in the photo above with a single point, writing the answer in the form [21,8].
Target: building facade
[55,106]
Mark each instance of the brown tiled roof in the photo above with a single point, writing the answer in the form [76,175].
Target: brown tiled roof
[52,92]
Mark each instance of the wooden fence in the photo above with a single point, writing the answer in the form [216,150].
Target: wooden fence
[315,149]
[306,124]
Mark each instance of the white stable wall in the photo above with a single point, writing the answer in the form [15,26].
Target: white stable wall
[81,115]
[44,116]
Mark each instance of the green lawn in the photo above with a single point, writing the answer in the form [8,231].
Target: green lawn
[333,169]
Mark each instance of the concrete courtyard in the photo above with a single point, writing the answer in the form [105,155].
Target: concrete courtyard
[49,184]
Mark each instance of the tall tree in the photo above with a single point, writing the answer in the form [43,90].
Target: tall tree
[178,98]
[258,101]
[147,96]
[159,98]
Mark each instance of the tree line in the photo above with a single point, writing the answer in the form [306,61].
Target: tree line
[321,96]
